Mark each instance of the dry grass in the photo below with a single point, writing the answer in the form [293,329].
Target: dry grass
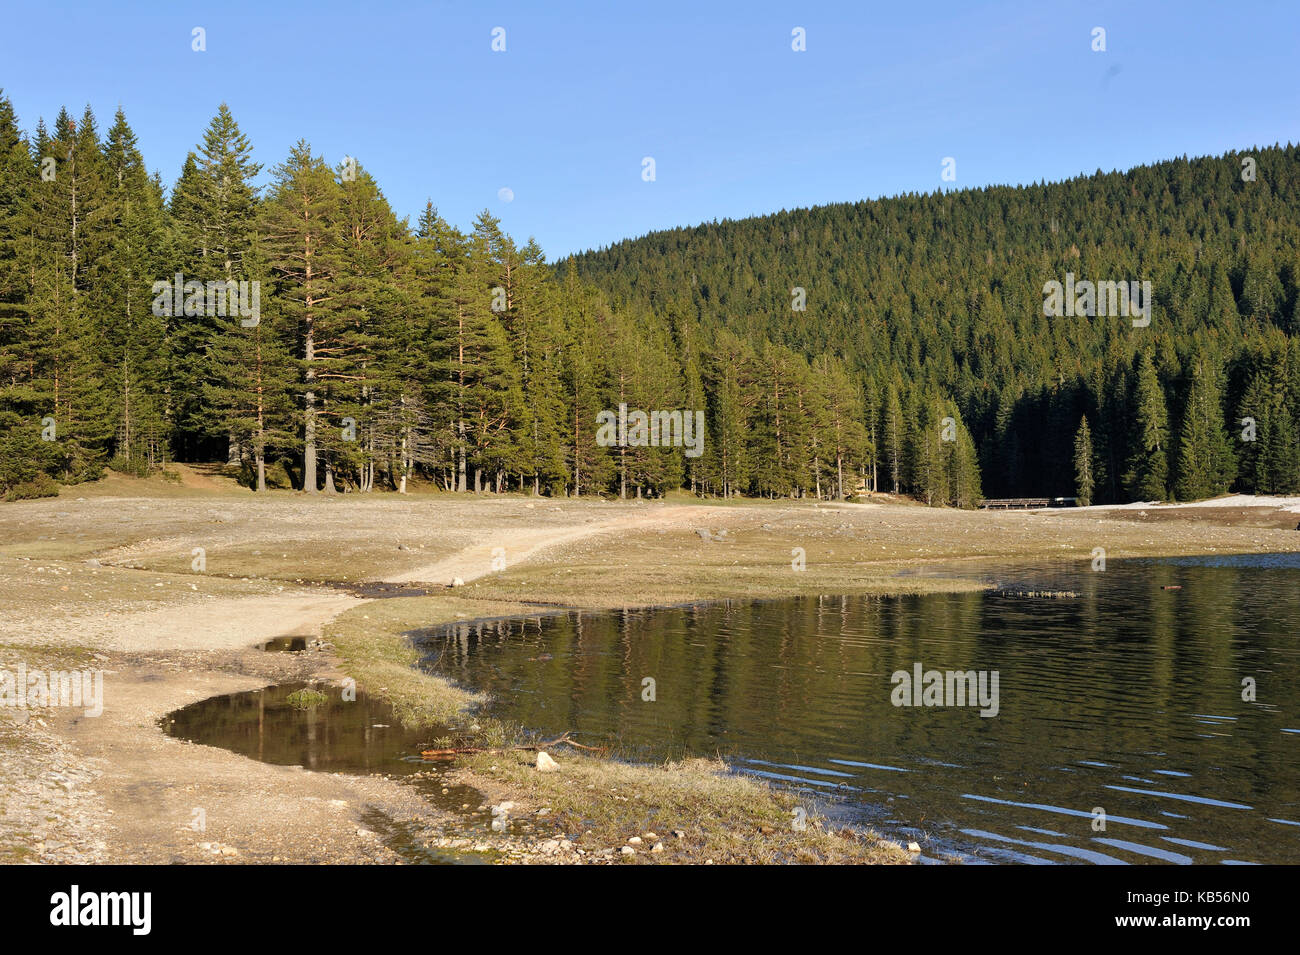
[382,662]
[724,818]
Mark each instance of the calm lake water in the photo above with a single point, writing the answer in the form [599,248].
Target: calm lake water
[1126,698]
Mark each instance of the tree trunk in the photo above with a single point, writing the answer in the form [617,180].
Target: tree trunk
[126,401]
[309,418]
[259,443]
[577,459]
[461,483]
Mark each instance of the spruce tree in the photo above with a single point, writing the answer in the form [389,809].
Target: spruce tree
[731,395]
[133,339]
[845,439]
[962,464]
[1206,465]
[302,240]
[585,376]
[24,399]
[1148,468]
[361,373]
[1083,464]
[893,431]
[69,227]
[214,210]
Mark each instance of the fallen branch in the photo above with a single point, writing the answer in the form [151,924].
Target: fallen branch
[562,740]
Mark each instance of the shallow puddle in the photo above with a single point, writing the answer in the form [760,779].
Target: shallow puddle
[285,645]
[403,839]
[381,590]
[335,736]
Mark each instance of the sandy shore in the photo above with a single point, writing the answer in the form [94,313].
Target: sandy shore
[169,590]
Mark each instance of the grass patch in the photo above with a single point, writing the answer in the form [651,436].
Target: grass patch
[374,652]
[724,818]
[305,699]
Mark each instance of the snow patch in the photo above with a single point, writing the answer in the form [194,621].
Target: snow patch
[1290,504]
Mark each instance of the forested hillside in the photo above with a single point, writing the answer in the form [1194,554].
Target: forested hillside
[941,297]
[295,327]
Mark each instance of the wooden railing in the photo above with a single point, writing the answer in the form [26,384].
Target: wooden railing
[1025,503]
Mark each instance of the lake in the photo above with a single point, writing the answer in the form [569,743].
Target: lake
[1126,699]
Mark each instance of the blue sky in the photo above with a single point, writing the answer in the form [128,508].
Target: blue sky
[737,122]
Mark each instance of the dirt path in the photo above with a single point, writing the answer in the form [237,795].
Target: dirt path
[220,623]
[518,546]
[235,622]
[116,788]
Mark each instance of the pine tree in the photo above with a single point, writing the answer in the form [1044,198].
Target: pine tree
[484,399]
[214,209]
[17,179]
[961,464]
[642,382]
[133,338]
[360,371]
[68,225]
[845,438]
[926,471]
[1083,466]
[407,337]
[584,377]
[425,433]
[1148,470]
[782,433]
[1206,465]
[531,316]
[23,398]
[871,427]
[687,342]
[730,398]
[893,431]
[253,396]
[1268,456]
[302,240]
